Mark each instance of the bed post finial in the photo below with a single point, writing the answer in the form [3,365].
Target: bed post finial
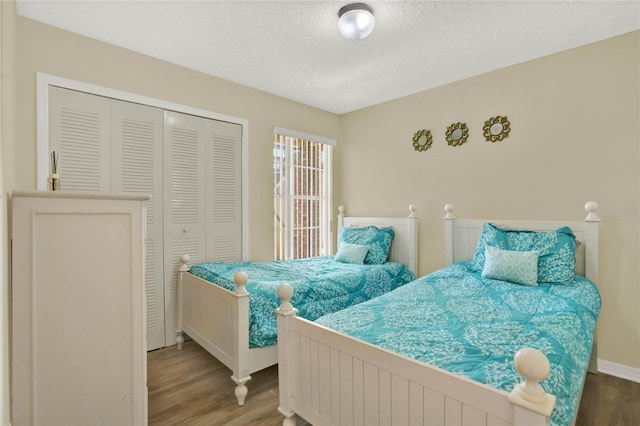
[449,209]
[341,210]
[184,260]
[412,209]
[534,366]
[285,293]
[240,278]
[591,207]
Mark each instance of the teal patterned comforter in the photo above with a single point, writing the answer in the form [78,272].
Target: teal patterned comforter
[458,321]
[321,286]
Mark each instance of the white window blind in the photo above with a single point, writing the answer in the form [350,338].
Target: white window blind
[302,194]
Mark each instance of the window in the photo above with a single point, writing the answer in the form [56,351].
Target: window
[301,194]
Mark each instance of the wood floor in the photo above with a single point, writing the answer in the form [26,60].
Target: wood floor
[190,387]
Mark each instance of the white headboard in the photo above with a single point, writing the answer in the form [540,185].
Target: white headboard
[404,246]
[461,237]
[461,240]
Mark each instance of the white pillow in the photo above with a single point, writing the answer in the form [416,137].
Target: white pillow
[520,267]
[351,253]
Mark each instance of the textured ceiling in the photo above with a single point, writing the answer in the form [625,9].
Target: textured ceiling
[293,48]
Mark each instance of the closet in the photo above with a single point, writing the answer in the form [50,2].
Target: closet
[191,166]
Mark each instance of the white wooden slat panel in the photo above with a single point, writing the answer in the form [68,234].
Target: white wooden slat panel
[224,249]
[452,412]
[188,246]
[384,378]
[138,146]
[155,309]
[324,380]
[472,416]
[315,372]
[358,392]
[399,400]
[185,178]
[433,408]
[184,206]
[346,389]
[223,189]
[416,404]
[80,150]
[294,359]
[225,182]
[335,386]
[472,241]
[211,316]
[136,167]
[79,132]
[305,371]
[458,237]
[465,242]
[371,395]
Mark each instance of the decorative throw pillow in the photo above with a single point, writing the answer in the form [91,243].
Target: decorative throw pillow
[378,240]
[488,236]
[520,267]
[351,253]
[556,249]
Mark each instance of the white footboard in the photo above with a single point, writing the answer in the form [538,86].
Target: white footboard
[329,378]
[218,320]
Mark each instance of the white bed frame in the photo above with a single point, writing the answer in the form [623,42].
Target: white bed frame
[218,319]
[327,377]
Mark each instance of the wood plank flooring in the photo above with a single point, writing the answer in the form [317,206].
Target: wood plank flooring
[190,387]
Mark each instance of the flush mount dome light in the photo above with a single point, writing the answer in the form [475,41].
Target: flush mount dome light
[355,21]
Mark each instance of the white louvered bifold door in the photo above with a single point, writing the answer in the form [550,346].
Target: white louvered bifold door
[184,202]
[223,187]
[190,165]
[136,166]
[79,134]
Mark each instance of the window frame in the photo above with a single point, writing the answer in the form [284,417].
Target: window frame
[283,235]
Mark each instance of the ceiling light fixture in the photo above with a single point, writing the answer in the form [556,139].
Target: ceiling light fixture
[356,21]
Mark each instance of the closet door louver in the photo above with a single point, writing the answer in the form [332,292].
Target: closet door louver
[184,202]
[136,167]
[223,191]
[79,133]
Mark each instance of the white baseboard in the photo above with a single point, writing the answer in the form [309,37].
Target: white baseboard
[619,370]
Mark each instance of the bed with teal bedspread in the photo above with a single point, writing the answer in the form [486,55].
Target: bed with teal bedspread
[322,285]
[472,326]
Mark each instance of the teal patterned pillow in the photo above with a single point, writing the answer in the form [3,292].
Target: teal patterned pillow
[351,253]
[556,250]
[378,240]
[520,267]
[487,237]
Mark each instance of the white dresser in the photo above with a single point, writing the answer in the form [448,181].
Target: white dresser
[78,309]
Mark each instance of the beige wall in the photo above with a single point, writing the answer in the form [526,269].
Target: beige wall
[575,137]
